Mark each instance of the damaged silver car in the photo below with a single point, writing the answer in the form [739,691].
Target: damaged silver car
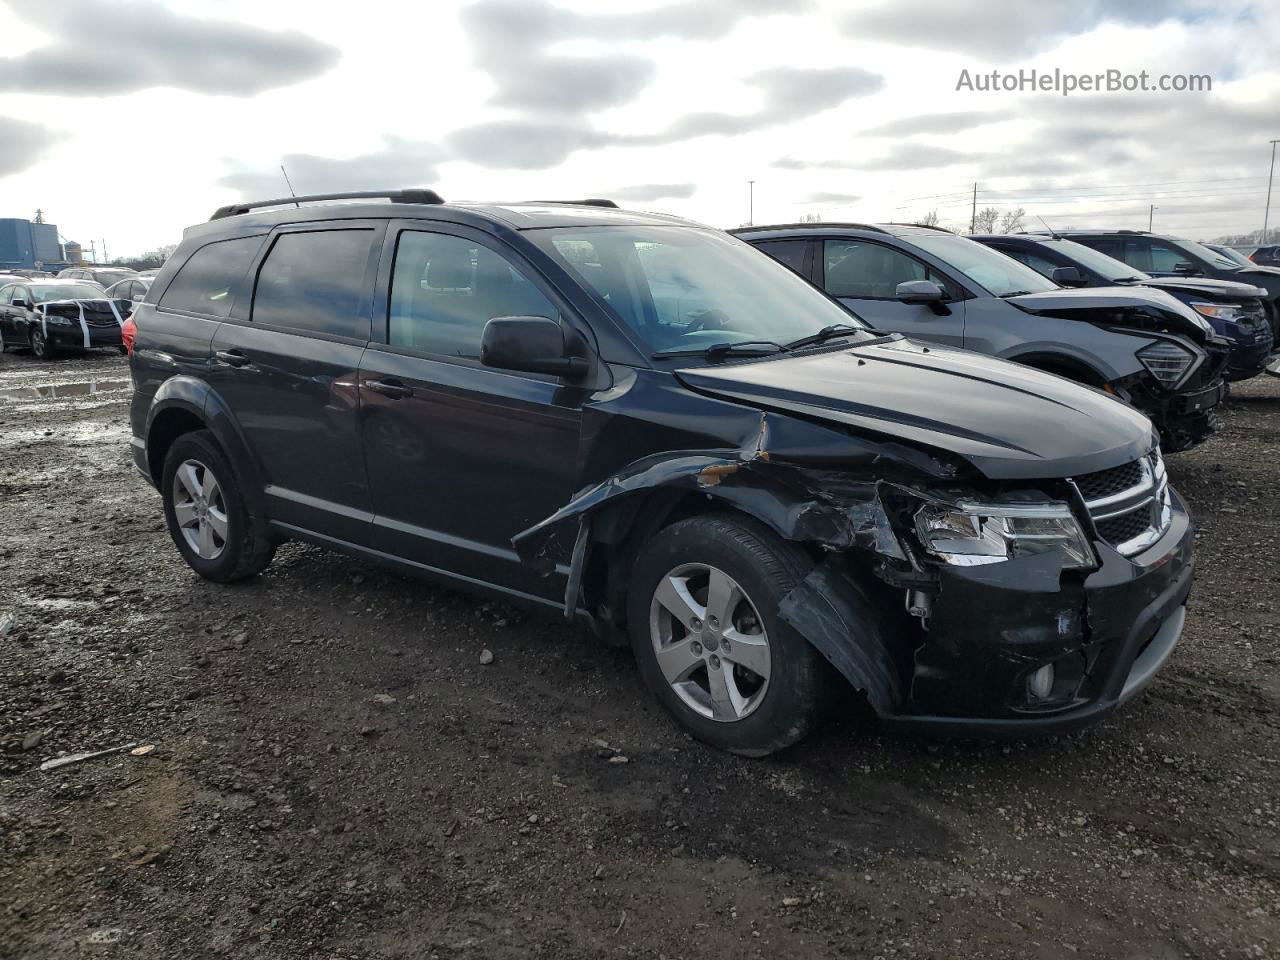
[674,439]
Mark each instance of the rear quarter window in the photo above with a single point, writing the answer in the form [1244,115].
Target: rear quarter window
[206,282]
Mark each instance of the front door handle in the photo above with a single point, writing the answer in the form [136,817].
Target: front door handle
[390,388]
[232,358]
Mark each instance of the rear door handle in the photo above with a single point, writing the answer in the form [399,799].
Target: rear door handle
[390,388]
[232,358]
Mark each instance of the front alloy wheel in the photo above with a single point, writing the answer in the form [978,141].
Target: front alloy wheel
[200,510]
[702,612]
[709,642]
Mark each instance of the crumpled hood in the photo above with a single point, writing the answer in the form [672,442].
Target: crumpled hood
[1206,286]
[1009,421]
[1139,307]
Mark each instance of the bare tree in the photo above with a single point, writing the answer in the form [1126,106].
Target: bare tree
[930,219]
[1012,220]
[986,220]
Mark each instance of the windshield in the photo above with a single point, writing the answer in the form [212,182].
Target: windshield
[683,288]
[40,292]
[1002,276]
[1204,253]
[1108,268]
[1235,256]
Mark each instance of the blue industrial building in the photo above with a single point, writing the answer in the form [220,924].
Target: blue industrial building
[30,245]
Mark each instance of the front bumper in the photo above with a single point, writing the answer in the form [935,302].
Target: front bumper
[78,336]
[993,625]
[1183,419]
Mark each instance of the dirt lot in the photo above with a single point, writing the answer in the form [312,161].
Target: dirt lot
[336,774]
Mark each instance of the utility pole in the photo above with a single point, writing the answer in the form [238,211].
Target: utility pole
[973,217]
[751,203]
[104,251]
[1266,216]
[1151,214]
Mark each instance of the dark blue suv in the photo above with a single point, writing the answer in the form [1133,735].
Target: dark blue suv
[1235,310]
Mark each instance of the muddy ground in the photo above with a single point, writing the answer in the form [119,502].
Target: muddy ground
[336,775]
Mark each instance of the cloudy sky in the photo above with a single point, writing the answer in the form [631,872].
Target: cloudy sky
[126,120]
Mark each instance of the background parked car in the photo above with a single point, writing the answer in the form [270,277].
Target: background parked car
[54,315]
[1165,256]
[1234,310]
[1268,256]
[933,285]
[130,291]
[103,276]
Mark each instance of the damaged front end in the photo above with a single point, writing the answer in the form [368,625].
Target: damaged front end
[948,599]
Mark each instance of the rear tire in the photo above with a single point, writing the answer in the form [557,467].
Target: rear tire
[205,512]
[765,689]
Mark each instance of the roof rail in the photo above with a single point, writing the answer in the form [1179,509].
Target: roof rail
[1133,232]
[922,226]
[811,225]
[590,202]
[396,196]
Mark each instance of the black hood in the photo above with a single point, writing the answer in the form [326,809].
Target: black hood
[1138,307]
[1009,421]
[1220,289]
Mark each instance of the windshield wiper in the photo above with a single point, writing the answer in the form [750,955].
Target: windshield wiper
[718,351]
[1014,293]
[825,334]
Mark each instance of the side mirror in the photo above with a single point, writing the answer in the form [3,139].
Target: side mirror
[21,304]
[919,291]
[1184,269]
[1068,277]
[529,344]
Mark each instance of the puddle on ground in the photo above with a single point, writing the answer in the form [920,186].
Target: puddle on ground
[58,391]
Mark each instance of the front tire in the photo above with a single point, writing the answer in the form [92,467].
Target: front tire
[702,616]
[205,511]
[40,345]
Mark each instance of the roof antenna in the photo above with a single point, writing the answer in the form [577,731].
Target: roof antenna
[290,186]
[1038,217]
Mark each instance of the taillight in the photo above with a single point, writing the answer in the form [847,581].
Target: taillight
[129,333]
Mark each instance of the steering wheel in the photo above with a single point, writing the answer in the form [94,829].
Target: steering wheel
[708,320]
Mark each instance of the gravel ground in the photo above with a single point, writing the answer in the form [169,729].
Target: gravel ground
[336,773]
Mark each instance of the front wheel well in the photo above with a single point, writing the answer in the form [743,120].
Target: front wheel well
[168,426]
[1067,367]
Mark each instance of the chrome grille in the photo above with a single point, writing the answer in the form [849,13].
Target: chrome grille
[1129,504]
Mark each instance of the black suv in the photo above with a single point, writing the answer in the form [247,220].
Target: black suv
[653,427]
[1234,310]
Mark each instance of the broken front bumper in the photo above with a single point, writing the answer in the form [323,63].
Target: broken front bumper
[994,626]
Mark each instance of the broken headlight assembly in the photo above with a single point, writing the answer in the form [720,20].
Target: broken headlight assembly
[1166,361]
[968,533]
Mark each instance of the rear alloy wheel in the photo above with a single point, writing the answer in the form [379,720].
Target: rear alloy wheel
[206,514]
[200,509]
[703,619]
[40,345]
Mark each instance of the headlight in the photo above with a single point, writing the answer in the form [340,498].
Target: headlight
[1166,361]
[58,321]
[1219,311]
[969,533]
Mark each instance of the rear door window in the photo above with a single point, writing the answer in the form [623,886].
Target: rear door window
[314,281]
[206,282]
